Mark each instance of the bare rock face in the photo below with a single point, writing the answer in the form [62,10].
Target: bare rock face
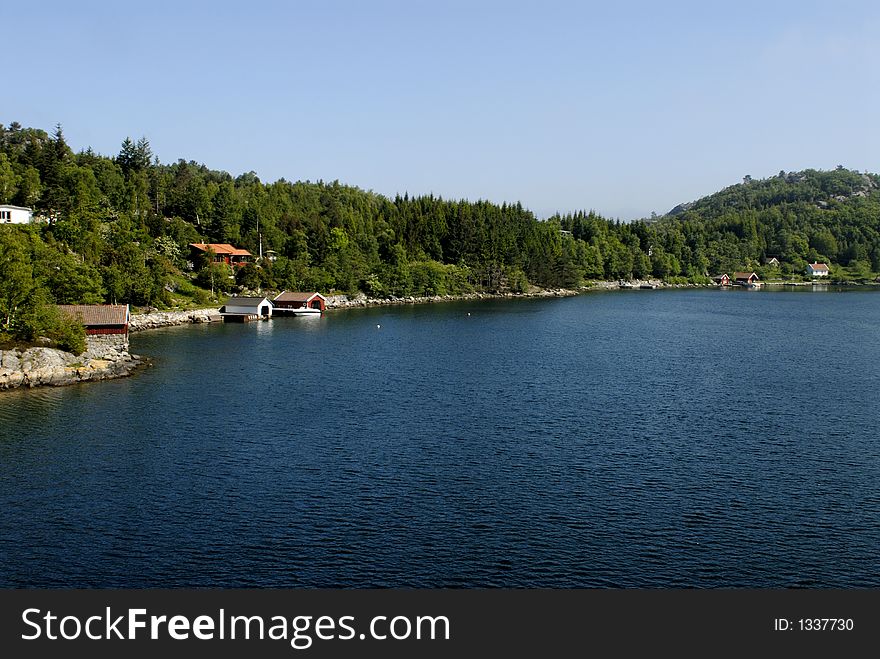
[9,360]
[156,319]
[681,208]
[11,375]
[48,366]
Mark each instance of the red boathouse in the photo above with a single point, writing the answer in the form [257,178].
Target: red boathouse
[99,318]
[296,300]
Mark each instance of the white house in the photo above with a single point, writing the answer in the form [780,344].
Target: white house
[15,214]
[817,270]
[259,307]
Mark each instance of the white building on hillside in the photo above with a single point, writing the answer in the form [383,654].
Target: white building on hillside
[15,214]
[817,270]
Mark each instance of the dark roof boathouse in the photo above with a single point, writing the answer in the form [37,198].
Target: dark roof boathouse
[99,318]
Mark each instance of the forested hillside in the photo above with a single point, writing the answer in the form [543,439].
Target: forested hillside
[798,217]
[118,228]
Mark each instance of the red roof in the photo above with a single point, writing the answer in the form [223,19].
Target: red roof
[224,249]
[291,296]
[818,266]
[744,275]
[97,315]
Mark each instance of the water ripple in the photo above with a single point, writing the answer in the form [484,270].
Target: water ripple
[665,439]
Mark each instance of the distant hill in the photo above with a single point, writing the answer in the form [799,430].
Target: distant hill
[822,189]
[797,217]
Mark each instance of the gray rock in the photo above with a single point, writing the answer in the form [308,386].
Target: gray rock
[9,360]
[48,366]
[156,319]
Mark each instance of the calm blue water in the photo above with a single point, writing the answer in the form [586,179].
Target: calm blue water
[631,439]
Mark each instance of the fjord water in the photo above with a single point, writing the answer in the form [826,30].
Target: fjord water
[629,439]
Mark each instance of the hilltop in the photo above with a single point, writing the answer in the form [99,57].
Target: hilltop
[821,189]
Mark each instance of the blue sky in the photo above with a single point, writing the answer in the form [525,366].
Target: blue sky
[622,107]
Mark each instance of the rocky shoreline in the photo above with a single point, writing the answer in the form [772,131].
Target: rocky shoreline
[33,367]
[361,300]
[156,319]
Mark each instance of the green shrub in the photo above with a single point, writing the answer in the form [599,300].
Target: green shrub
[516,280]
[41,318]
[216,277]
[428,278]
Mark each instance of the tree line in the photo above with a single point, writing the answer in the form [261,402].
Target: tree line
[119,227]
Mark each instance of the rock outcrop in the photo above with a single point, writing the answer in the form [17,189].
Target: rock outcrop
[157,319]
[34,367]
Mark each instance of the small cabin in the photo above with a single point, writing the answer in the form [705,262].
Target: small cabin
[818,270]
[722,280]
[15,214]
[297,300]
[745,279]
[222,253]
[771,262]
[246,308]
[99,318]
[106,327]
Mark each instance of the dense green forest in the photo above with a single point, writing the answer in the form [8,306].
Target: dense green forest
[118,229]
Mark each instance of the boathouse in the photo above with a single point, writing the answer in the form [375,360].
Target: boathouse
[745,278]
[289,300]
[818,270]
[221,253]
[106,326]
[99,319]
[722,280]
[246,308]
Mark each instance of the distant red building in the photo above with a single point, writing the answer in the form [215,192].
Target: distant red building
[745,278]
[222,253]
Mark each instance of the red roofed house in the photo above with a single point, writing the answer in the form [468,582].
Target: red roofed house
[299,303]
[106,326]
[818,270]
[223,253]
[722,280]
[746,279]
